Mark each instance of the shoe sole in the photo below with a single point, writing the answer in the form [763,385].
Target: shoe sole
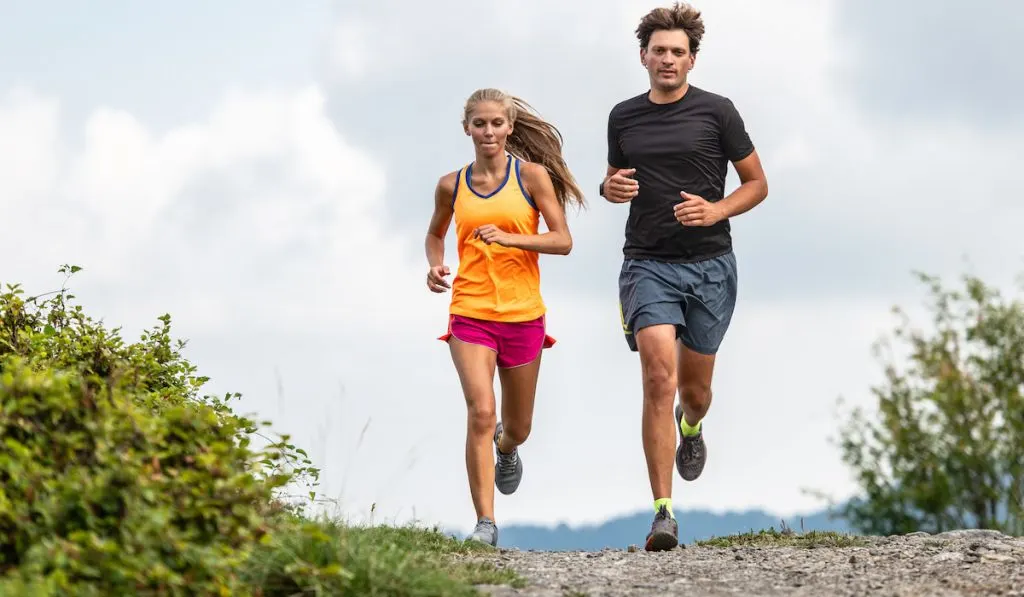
[662,542]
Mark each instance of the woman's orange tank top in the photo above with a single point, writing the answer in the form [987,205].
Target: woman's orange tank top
[493,282]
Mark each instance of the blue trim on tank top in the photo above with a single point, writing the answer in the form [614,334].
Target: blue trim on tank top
[522,189]
[455,193]
[469,180]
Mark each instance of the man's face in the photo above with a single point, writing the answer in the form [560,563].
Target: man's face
[667,59]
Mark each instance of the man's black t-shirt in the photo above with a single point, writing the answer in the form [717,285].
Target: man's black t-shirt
[685,145]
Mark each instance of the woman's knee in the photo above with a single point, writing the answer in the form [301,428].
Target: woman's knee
[482,416]
[517,432]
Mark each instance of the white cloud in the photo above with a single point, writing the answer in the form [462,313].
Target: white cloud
[265,174]
[28,147]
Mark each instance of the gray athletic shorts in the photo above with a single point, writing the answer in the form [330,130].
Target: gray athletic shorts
[698,298]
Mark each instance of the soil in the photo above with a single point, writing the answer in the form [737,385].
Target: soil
[949,564]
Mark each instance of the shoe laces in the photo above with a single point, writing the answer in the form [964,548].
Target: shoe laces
[693,448]
[507,462]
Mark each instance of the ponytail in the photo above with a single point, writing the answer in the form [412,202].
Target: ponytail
[534,140]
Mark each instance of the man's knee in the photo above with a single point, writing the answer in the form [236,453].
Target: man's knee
[658,379]
[695,395]
[658,362]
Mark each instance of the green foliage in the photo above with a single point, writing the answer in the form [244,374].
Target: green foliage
[115,475]
[785,538]
[946,448]
[51,333]
[97,488]
[324,557]
[118,478]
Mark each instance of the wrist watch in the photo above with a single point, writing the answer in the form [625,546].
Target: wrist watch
[600,189]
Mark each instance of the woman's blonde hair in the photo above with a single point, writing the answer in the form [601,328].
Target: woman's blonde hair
[534,140]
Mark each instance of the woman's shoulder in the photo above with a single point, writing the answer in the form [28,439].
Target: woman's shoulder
[531,170]
[448,181]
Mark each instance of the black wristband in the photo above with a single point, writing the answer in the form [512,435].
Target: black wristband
[600,189]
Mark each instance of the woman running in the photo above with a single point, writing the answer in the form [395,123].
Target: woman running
[497,315]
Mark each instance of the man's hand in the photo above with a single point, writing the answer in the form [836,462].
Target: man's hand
[620,188]
[697,211]
[435,278]
[489,233]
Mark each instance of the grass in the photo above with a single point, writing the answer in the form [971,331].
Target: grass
[785,538]
[327,557]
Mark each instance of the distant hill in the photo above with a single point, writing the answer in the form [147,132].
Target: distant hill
[620,532]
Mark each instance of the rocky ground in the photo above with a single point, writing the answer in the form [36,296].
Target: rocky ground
[955,563]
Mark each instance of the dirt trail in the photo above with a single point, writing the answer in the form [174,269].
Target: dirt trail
[949,564]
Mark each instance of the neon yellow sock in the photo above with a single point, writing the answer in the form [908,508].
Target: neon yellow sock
[667,502]
[689,431]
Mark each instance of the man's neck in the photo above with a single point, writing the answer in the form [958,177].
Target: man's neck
[667,97]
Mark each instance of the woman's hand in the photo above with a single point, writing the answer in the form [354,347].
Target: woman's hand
[489,233]
[435,278]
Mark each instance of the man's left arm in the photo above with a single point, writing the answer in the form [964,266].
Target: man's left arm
[737,146]
[752,190]
[738,149]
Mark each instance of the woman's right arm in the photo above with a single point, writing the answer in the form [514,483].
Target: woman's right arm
[440,220]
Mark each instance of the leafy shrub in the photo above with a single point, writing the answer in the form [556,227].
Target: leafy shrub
[945,449]
[97,488]
[116,477]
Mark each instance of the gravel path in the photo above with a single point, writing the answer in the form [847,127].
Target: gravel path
[944,565]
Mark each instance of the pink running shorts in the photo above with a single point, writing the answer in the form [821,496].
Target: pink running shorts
[516,344]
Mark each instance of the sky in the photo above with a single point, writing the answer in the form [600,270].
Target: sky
[264,173]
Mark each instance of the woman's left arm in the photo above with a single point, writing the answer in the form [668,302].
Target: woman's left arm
[557,240]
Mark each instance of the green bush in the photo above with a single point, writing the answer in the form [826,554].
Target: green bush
[116,477]
[98,489]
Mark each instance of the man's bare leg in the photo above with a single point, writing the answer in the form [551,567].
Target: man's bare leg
[658,362]
[695,371]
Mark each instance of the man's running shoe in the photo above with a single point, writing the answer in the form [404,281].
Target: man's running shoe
[691,454]
[508,468]
[664,533]
[485,532]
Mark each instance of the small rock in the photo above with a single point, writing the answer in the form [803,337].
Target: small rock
[632,549]
[972,534]
[999,557]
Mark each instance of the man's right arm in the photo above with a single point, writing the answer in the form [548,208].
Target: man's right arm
[616,186]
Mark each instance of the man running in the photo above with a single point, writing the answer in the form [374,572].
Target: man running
[668,153]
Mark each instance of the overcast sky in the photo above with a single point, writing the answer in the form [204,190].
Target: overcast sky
[264,173]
